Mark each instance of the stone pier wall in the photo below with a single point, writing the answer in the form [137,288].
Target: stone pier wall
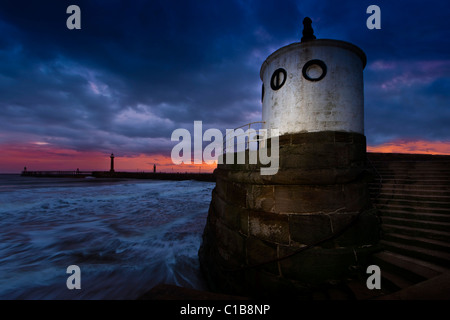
[258,224]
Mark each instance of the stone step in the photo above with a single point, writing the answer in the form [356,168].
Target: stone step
[411,192]
[361,292]
[414,270]
[394,282]
[384,197]
[410,187]
[429,168]
[437,288]
[411,180]
[417,172]
[415,215]
[413,175]
[444,205]
[418,242]
[423,167]
[415,197]
[416,232]
[433,256]
[384,207]
[422,224]
[433,181]
[439,174]
[395,168]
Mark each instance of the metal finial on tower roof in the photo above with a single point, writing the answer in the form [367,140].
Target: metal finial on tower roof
[308,32]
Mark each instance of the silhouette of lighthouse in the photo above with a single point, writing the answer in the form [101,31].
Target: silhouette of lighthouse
[112,162]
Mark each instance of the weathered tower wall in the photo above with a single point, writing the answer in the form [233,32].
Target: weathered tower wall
[323,89]
[256,224]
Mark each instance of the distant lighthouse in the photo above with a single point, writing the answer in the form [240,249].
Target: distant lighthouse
[112,162]
[311,224]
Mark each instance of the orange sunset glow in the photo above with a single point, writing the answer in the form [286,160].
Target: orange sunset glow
[38,156]
[411,146]
[42,157]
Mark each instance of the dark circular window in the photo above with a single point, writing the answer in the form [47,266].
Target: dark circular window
[278,79]
[262,93]
[314,70]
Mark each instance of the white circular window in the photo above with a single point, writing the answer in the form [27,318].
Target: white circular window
[278,79]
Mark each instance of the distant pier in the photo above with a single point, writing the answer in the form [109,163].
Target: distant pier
[121,175]
[57,174]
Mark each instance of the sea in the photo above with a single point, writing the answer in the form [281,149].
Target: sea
[126,236]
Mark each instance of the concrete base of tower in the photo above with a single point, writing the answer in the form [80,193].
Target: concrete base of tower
[309,225]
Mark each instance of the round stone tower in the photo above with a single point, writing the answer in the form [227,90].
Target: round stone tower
[314,86]
[311,223]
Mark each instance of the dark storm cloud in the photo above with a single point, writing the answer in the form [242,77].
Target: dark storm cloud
[408,73]
[408,99]
[137,70]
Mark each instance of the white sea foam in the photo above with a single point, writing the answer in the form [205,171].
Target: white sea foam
[126,236]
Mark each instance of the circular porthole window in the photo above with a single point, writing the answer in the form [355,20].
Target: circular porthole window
[278,79]
[314,70]
[262,93]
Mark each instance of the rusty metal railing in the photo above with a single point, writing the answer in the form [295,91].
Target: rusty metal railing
[250,137]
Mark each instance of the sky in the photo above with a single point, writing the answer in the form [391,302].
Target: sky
[138,70]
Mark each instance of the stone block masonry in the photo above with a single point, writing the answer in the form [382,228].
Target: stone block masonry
[308,225]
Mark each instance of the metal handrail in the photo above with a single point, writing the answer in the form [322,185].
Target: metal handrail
[257,138]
